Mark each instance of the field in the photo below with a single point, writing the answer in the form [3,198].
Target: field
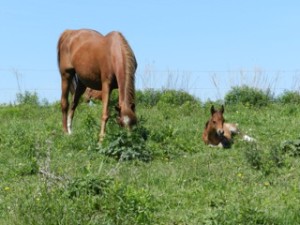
[161,173]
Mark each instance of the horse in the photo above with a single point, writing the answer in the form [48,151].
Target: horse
[218,133]
[88,59]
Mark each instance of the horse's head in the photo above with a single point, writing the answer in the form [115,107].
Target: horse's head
[126,117]
[217,120]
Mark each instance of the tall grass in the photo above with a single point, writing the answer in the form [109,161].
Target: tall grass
[50,178]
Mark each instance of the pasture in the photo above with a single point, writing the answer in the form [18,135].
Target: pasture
[161,173]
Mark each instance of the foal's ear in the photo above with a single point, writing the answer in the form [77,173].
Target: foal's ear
[212,110]
[222,109]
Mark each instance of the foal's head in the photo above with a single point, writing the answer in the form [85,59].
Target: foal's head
[215,124]
[126,117]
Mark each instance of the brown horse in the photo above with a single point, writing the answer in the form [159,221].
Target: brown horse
[89,59]
[219,133]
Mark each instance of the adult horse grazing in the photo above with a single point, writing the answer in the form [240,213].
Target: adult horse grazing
[217,132]
[89,59]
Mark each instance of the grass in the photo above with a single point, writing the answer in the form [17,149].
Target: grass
[51,178]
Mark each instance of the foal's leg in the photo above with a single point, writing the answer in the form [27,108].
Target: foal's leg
[105,113]
[80,88]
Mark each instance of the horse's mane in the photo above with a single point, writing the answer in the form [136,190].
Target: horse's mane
[130,67]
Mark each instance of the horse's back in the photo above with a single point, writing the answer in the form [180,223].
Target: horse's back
[77,46]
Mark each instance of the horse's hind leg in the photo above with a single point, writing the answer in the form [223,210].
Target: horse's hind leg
[66,79]
[80,88]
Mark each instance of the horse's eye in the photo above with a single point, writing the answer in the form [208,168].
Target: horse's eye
[214,122]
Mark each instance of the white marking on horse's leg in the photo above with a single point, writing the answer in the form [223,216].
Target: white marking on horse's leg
[69,124]
[248,138]
[126,120]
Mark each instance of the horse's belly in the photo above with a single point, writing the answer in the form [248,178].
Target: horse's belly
[91,80]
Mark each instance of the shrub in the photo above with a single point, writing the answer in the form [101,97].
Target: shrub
[248,96]
[151,97]
[289,97]
[148,97]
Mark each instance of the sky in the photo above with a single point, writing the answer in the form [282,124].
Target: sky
[204,47]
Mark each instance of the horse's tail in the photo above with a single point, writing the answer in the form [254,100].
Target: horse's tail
[58,48]
[130,68]
[74,84]
[61,39]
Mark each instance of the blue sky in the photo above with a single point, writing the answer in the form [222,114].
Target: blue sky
[203,46]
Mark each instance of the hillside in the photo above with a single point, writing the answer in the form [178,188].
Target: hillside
[161,173]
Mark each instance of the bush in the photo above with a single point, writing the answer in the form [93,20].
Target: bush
[27,98]
[148,97]
[289,97]
[176,98]
[151,97]
[248,96]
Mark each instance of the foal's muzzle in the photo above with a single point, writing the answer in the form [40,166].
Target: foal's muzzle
[220,132]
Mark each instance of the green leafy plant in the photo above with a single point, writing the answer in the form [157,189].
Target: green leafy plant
[126,145]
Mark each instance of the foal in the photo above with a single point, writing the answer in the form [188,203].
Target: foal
[217,132]
[90,94]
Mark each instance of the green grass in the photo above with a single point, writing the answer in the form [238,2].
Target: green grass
[47,177]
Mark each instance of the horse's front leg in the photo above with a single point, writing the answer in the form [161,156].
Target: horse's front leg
[105,112]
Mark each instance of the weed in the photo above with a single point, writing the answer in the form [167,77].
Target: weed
[126,145]
[253,155]
[89,185]
[291,148]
